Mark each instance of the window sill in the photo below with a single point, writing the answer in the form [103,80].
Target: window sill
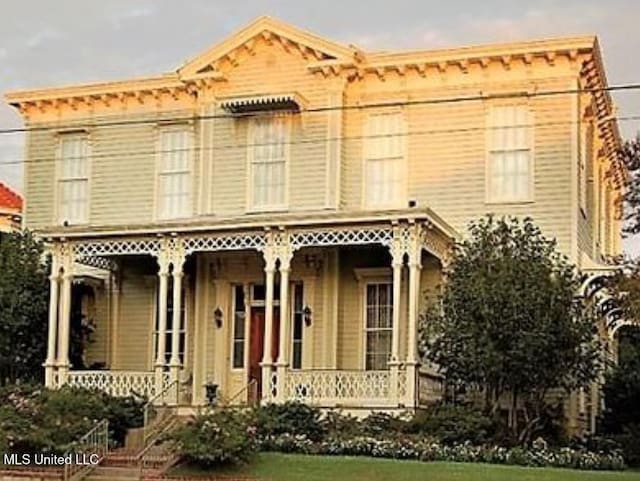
[509,202]
[266,210]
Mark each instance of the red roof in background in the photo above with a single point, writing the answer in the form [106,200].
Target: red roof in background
[9,199]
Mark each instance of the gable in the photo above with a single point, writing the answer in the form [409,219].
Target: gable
[265,29]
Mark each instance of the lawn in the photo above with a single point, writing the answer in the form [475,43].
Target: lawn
[288,467]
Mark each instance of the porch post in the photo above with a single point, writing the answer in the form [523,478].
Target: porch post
[415,267]
[174,362]
[163,274]
[397,260]
[267,355]
[283,357]
[50,362]
[64,321]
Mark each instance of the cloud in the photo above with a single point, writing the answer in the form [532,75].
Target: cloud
[42,36]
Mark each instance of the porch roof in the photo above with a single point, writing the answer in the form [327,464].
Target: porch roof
[306,219]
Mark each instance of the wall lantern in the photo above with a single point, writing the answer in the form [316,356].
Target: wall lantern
[217,317]
[306,313]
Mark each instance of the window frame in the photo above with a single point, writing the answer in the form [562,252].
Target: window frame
[189,130]
[490,199]
[252,125]
[294,287]
[246,328]
[403,196]
[366,329]
[60,136]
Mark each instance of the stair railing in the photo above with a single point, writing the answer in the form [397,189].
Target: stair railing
[158,398]
[94,442]
[252,384]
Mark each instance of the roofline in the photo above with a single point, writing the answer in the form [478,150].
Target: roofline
[378,59]
[213,224]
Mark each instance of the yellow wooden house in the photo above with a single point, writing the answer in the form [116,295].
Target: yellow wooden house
[271,217]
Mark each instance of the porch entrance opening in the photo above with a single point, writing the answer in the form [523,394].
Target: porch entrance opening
[256,349]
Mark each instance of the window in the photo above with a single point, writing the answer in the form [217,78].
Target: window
[174,172]
[239,320]
[268,152]
[384,153]
[586,151]
[379,320]
[169,331]
[298,327]
[510,159]
[73,179]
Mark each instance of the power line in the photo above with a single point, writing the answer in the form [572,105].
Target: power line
[375,105]
[127,153]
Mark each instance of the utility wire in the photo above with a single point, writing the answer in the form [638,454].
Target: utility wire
[322,140]
[364,106]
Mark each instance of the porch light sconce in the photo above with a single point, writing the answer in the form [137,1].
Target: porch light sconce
[217,317]
[306,314]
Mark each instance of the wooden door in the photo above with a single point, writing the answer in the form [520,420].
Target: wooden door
[256,345]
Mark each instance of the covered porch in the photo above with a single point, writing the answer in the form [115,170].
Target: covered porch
[325,313]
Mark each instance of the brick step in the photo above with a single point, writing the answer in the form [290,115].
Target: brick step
[111,473]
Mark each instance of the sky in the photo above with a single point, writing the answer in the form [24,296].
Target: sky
[46,43]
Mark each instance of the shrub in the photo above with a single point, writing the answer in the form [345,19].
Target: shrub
[454,424]
[36,419]
[291,418]
[379,424]
[217,438]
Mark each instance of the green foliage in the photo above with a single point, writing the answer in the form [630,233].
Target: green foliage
[218,438]
[630,157]
[621,418]
[454,424]
[33,419]
[508,322]
[291,417]
[23,307]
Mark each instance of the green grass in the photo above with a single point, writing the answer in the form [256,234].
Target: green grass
[289,467]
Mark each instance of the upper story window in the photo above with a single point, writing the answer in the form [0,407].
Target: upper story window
[175,184]
[510,159]
[73,179]
[268,158]
[385,160]
[586,153]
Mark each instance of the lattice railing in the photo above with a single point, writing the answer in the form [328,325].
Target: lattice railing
[149,246]
[331,387]
[247,240]
[116,383]
[330,237]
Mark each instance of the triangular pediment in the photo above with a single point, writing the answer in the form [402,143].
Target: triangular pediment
[271,30]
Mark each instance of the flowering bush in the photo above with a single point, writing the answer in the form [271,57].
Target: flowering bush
[291,418]
[221,437]
[423,450]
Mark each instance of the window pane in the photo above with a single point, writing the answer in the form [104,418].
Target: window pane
[174,183]
[379,322]
[269,143]
[384,158]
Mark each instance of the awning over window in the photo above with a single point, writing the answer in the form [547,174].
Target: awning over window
[264,103]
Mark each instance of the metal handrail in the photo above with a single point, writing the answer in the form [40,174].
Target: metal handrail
[97,441]
[245,388]
[152,402]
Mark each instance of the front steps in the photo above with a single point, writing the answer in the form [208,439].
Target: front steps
[114,473]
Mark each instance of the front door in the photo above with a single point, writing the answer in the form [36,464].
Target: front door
[256,345]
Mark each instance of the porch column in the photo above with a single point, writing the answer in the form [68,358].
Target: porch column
[163,274]
[415,267]
[64,320]
[267,355]
[285,321]
[174,362]
[50,362]
[397,260]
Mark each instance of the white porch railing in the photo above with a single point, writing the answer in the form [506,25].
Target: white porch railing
[117,383]
[337,387]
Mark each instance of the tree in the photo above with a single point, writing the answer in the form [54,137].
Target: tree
[508,322]
[621,418]
[23,307]
[630,156]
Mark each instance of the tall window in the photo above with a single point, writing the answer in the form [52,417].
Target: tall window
[379,325]
[73,179]
[174,198]
[268,152]
[239,320]
[384,153]
[510,158]
[298,327]
[586,152]
[169,332]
